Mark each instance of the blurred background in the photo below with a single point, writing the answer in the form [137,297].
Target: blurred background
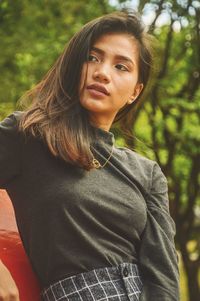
[166,126]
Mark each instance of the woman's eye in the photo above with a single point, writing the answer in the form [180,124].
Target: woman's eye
[92,58]
[121,67]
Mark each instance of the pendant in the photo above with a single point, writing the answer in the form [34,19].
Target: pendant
[96,163]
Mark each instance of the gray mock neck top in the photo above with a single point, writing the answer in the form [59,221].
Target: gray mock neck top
[72,221]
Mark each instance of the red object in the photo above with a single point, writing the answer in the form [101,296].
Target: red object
[13,255]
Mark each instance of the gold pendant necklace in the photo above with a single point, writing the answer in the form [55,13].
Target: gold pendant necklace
[97,164]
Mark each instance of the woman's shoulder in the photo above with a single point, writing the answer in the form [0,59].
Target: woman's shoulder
[10,148]
[10,132]
[145,170]
[134,158]
[12,120]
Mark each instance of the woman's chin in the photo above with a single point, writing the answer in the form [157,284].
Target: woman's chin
[93,105]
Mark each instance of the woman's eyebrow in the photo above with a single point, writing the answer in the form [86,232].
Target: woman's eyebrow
[118,56]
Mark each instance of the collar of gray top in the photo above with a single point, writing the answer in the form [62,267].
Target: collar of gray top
[103,136]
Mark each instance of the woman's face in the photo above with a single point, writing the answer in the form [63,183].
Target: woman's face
[109,79]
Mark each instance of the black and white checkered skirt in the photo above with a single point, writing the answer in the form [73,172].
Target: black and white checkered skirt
[120,283]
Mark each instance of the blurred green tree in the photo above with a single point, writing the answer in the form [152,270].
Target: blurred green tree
[168,120]
[33,34]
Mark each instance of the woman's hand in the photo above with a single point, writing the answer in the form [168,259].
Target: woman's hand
[8,288]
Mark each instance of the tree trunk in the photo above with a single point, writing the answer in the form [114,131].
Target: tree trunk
[191,268]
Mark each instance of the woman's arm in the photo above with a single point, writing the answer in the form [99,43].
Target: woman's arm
[8,288]
[9,167]
[10,149]
[158,257]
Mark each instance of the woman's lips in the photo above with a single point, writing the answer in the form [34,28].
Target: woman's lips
[96,93]
[97,90]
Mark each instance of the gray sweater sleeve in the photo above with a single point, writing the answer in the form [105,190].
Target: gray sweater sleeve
[158,257]
[10,149]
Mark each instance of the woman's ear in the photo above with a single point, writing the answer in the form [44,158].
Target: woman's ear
[137,90]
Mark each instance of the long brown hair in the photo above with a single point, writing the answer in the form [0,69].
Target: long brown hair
[55,113]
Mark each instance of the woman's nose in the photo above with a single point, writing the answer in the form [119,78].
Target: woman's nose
[102,74]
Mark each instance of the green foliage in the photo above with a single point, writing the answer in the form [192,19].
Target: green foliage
[33,34]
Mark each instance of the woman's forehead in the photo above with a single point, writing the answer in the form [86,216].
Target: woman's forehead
[118,45]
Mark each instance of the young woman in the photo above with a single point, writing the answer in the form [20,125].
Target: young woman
[93,217]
